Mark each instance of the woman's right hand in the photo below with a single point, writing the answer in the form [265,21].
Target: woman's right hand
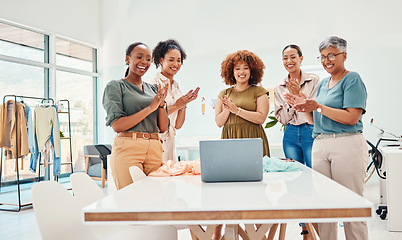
[293,86]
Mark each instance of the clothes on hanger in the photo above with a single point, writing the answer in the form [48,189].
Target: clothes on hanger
[31,135]
[46,128]
[10,126]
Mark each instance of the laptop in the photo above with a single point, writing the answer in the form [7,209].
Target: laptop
[231,160]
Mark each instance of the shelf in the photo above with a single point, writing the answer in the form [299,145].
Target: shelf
[63,163]
[63,112]
[66,163]
[65,137]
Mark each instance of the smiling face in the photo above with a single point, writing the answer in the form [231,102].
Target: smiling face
[139,60]
[335,66]
[241,72]
[291,60]
[171,63]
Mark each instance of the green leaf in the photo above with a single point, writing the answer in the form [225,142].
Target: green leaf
[272,118]
[270,124]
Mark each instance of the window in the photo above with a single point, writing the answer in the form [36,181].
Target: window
[74,55]
[75,76]
[21,43]
[20,79]
[25,64]
[78,90]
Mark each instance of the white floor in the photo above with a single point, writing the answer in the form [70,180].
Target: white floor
[22,225]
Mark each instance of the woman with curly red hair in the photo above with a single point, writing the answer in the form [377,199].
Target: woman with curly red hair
[243,108]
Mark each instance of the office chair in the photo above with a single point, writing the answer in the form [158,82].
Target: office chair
[96,161]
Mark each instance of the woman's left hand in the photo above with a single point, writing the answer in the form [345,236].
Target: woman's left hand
[192,95]
[159,99]
[303,104]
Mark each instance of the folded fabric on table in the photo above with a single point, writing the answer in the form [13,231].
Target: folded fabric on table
[171,168]
[273,164]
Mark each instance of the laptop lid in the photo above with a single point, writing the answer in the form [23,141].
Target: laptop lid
[231,160]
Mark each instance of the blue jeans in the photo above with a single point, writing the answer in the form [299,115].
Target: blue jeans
[298,142]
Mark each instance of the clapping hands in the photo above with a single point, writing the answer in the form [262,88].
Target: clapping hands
[188,97]
[159,99]
[228,104]
[301,103]
[293,86]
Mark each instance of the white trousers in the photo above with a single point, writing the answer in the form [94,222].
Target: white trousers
[343,159]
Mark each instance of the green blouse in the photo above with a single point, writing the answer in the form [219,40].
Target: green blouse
[122,98]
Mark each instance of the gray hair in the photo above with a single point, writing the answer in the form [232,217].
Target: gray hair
[335,42]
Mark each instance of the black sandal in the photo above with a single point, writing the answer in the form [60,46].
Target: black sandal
[304,232]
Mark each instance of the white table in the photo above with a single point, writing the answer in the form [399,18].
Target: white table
[303,196]
[392,157]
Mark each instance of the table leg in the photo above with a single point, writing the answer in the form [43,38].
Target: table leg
[231,232]
[272,232]
[315,225]
[198,232]
[282,231]
[242,233]
[258,232]
[193,236]
[311,231]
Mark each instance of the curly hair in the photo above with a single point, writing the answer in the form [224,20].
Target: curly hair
[253,61]
[163,47]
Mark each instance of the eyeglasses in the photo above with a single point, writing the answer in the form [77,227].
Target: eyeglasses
[330,57]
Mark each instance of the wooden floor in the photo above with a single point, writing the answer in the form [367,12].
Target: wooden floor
[22,225]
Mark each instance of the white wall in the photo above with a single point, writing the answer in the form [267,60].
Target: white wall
[75,19]
[209,30]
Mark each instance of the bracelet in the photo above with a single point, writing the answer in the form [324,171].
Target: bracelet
[238,111]
[163,106]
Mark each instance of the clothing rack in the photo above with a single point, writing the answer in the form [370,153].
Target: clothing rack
[19,205]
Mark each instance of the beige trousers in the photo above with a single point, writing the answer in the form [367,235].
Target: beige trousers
[131,151]
[343,159]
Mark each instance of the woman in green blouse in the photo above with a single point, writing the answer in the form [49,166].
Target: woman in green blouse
[136,111]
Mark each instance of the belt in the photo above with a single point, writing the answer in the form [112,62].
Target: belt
[335,135]
[145,136]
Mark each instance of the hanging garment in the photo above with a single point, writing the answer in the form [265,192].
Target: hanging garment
[46,127]
[47,151]
[31,136]
[13,132]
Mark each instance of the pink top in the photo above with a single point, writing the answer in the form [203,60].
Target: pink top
[171,168]
[283,111]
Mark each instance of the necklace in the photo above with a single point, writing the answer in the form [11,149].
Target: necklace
[343,74]
[333,82]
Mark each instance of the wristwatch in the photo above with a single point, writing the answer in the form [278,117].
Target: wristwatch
[319,110]
[163,106]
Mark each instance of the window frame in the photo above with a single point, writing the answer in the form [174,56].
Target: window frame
[50,67]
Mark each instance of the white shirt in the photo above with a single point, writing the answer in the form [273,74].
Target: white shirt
[173,93]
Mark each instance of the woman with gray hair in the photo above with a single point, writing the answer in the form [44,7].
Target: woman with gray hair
[339,149]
